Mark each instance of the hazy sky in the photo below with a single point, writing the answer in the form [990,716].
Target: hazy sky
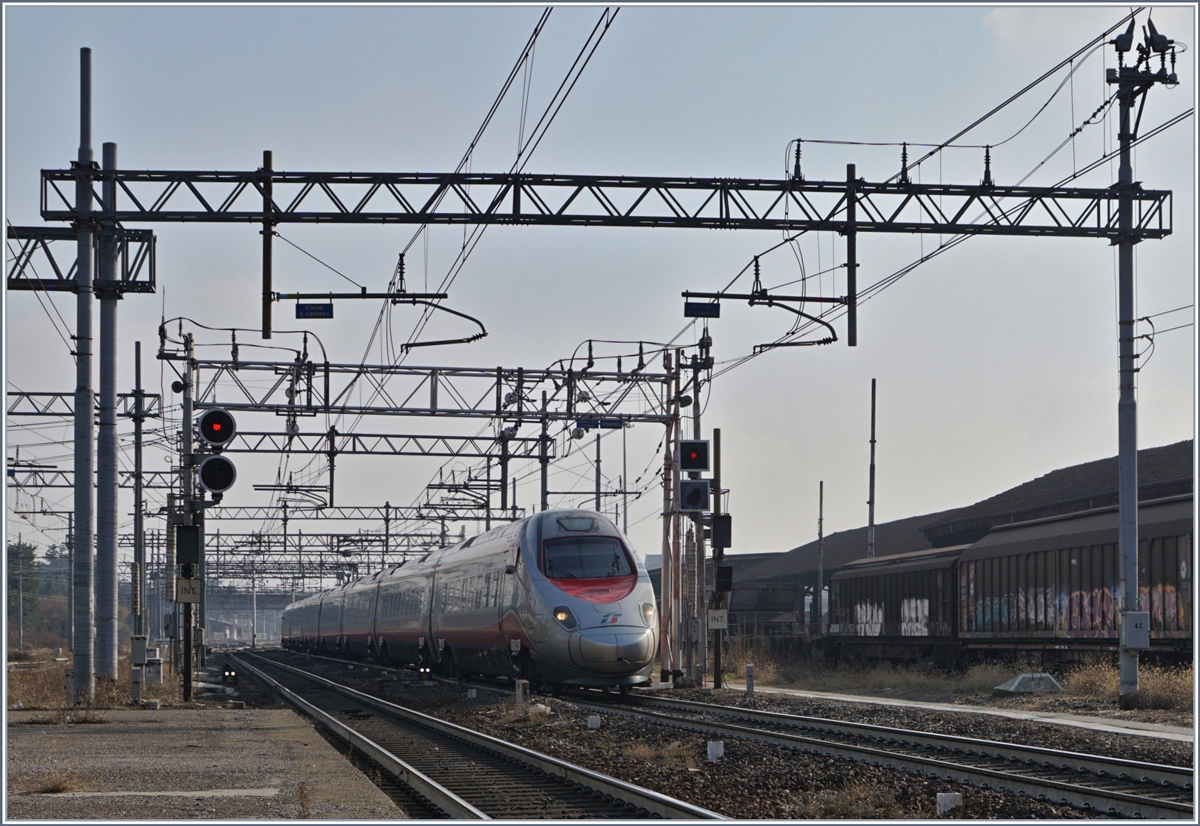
[996,362]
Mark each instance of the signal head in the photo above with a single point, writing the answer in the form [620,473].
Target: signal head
[217,427]
[216,474]
[693,455]
[694,494]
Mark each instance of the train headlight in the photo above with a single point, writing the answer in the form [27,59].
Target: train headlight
[563,615]
[648,614]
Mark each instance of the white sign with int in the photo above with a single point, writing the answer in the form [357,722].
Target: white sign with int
[188,590]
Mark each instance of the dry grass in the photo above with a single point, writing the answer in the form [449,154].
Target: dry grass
[897,681]
[55,782]
[303,800]
[36,687]
[738,652]
[536,714]
[1158,687]
[45,688]
[674,753]
[70,715]
[858,800]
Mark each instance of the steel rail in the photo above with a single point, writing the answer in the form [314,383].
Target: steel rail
[620,790]
[1103,800]
[431,790]
[1154,773]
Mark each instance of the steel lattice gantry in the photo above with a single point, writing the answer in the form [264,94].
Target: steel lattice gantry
[409,513]
[20,403]
[309,388]
[279,197]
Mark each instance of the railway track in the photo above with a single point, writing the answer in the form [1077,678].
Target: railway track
[462,773]
[1103,784]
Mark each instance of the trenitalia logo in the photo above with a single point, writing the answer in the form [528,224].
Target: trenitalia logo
[609,619]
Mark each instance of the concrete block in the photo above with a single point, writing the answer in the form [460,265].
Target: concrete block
[593,721]
[716,749]
[948,801]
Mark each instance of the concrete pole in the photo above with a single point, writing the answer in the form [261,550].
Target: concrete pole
[851,258]
[665,578]
[84,618]
[140,608]
[189,570]
[820,559]
[1127,404]
[871,494]
[545,455]
[597,472]
[718,554]
[387,533]
[70,581]
[20,595]
[267,234]
[253,609]
[677,572]
[106,440]
[697,617]
[169,573]
[624,481]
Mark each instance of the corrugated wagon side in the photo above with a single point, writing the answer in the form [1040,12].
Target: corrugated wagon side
[1052,585]
[899,607]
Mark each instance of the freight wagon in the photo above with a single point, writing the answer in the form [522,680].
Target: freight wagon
[901,607]
[1052,585]
[1048,587]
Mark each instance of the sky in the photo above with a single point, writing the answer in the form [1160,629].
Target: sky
[995,362]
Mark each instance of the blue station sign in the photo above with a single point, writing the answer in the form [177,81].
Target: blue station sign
[314,310]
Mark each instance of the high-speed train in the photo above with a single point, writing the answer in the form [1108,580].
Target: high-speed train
[557,599]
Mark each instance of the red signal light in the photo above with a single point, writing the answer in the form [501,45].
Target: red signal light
[217,426]
[693,455]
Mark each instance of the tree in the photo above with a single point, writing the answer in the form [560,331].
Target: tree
[24,580]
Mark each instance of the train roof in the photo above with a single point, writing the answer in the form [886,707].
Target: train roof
[926,560]
[1170,516]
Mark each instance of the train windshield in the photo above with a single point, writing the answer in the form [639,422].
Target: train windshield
[595,568]
[584,557]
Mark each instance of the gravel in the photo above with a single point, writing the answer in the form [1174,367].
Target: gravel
[757,781]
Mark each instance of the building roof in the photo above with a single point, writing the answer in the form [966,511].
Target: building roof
[898,536]
[1162,471]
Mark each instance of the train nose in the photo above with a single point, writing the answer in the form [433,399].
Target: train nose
[612,650]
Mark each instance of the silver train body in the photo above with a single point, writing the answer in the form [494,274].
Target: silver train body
[558,599]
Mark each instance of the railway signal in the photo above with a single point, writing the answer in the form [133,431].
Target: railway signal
[693,455]
[217,427]
[216,474]
[694,494]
